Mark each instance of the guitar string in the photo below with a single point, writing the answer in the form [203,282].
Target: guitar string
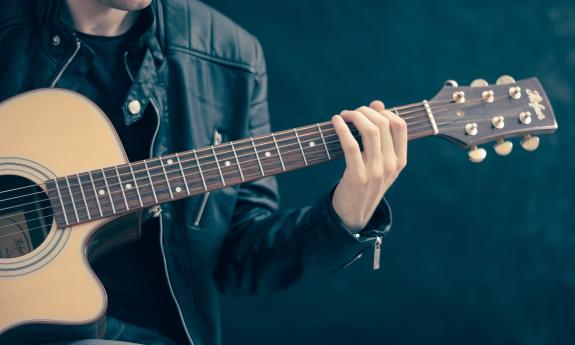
[266,165]
[173,171]
[201,150]
[176,169]
[327,135]
[250,148]
[143,192]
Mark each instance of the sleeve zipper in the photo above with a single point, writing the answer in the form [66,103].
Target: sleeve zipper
[377,253]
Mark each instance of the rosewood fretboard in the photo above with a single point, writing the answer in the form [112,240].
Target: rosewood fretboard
[130,187]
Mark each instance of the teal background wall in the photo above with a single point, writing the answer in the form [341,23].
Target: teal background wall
[479,254]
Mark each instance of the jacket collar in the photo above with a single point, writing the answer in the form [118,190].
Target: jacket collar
[143,57]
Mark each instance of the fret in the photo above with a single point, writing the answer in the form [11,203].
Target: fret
[247,159]
[167,178]
[102,192]
[200,169]
[109,192]
[145,184]
[84,196]
[136,185]
[191,172]
[182,172]
[160,179]
[218,164]
[257,156]
[74,188]
[176,179]
[300,146]
[315,151]
[122,188]
[289,150]
[61,202]
[115,190]
[270,158]
[72,198]
[130,192]
[228,163]
[237,161]
[89,196]
[96,193]
[151,182]
[323,141]
[278,150]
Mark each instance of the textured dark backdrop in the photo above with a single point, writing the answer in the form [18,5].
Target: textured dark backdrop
[479,254]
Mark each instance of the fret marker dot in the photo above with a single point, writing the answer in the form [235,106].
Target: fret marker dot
[170,161]
[311,143]
[178,189]
[267,154]
[101,192]
[227,163]
[128,186]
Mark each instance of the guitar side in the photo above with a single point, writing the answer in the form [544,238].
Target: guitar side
[52,291]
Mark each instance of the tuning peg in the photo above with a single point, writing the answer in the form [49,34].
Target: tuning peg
[476,155]
[530,143]
[479,83]
[503,147]
[451,83]
[505,79]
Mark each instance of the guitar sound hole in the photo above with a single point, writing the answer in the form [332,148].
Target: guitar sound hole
[25,216]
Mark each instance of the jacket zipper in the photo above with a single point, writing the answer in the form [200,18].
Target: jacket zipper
[151,154]
[377,253]
[68,62]
[217,140]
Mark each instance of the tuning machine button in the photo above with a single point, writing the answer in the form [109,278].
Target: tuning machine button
[530,143]
[488,96]
[459,96]
[505,79]
[498,121]
[476,155]
[515,92]
[525,117]
[451,83]
[479,83]
[471,128]
[503,147]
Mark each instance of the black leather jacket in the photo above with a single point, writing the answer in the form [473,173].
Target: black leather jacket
[204,77]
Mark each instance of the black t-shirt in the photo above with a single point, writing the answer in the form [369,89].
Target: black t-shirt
[133,275]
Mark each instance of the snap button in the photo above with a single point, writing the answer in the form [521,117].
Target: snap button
[134,107]
[56,40]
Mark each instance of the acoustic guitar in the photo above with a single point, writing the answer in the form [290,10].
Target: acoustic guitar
[68,193]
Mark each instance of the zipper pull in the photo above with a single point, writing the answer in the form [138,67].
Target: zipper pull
[376,253]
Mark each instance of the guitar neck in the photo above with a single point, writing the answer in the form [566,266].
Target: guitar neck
[134,186]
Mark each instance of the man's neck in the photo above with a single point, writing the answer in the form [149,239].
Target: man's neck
[94,18]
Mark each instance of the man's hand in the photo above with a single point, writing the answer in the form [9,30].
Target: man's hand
[368,174]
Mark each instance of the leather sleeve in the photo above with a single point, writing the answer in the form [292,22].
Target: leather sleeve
[268,248]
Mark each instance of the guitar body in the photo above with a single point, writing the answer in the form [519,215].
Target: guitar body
[48,290]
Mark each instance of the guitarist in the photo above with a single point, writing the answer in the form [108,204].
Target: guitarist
[173,75]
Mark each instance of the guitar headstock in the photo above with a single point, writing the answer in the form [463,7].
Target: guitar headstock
[480,113]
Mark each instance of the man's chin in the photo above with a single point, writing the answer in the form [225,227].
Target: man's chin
[127,5]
